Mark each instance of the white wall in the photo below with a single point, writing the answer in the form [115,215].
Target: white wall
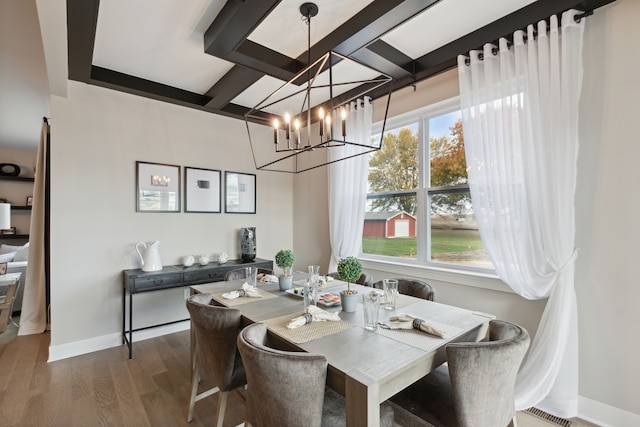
[607,204]
[96,137]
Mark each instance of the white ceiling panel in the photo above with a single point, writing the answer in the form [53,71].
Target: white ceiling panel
[447,21]
[284,30]
[159,40]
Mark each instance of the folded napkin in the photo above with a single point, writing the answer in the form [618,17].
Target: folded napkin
[267,278]
[312,314]
[246,291]
[407,321]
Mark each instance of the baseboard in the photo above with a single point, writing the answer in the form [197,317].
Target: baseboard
[605,415]
[77,348]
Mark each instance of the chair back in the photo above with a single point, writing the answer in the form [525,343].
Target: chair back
[364,279]
[216,329]
[283,388]
[412,287]
[241,273]
[483,375]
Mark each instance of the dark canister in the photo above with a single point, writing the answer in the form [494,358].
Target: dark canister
[248,243]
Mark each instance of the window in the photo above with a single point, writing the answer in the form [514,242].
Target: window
[419,206]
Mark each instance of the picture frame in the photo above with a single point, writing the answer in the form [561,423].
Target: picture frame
[157,187]
[202,190]
[240,192]
[9,231]
[29,201]
[3,268]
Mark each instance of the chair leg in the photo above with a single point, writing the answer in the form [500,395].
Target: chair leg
[222,407]
[195,379]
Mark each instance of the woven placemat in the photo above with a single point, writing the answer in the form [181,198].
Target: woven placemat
[242,300]
[308,332]
[419,339]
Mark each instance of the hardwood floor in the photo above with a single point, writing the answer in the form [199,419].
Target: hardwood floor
[104,388]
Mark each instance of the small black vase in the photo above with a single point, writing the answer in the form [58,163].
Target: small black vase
[248,243]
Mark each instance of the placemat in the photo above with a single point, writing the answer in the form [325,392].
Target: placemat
[242,300]
[419,339]
[308,332]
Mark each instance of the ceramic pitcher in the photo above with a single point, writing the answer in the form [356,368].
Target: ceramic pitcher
[149,256]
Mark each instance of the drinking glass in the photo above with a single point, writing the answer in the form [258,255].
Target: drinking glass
[390,288]
[252,276]
[371,304]
[311,286]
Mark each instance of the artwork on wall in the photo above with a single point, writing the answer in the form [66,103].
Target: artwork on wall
[240,192]
[157,187]
[202,188]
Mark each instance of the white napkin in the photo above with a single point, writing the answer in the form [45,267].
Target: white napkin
[407,321]
[246,291]
[312,314]
[267,278]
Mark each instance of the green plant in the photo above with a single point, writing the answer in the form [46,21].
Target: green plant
[284,260]
[349,270]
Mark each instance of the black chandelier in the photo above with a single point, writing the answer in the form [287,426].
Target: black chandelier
[308,115]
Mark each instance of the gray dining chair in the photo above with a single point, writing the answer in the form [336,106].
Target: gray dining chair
[216,354]
[476,386]
[412,287]
[287,388]
[241,273]
[364,279]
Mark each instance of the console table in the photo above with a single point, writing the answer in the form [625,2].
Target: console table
[136,281]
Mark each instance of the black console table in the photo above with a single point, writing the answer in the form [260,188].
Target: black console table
[175,276]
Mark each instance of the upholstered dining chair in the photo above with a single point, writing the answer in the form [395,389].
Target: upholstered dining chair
[365,279]
[412,287]
[216,352]
[476,386]
[241,273]
[287,389]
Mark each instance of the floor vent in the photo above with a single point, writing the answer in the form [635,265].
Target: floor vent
[548,417]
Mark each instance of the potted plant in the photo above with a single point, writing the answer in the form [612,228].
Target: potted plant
[284,260]
[349,270]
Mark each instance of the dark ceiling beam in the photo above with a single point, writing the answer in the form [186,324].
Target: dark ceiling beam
[445,57]
[225,89]
[82,18]
[385,58]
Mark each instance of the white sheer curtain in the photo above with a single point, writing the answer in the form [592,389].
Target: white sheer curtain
[348,185]
[520,120]
[33,317]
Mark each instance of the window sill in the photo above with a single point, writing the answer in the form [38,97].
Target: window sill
[459,277]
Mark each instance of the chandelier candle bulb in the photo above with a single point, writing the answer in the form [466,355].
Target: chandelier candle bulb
[321,114]
[329,130]
[296,123]
[343,115]
[287,126]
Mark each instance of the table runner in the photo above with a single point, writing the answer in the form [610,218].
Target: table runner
[308,332]
[419,339]
[241,300]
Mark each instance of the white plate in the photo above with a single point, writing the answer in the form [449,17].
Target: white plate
[321,296]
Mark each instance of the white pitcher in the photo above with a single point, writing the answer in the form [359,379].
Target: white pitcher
[151,258]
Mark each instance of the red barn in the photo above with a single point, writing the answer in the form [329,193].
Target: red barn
[389,224]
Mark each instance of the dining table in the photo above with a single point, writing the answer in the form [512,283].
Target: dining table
[366,367]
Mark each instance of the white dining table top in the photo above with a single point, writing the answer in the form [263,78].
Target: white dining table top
[366,367]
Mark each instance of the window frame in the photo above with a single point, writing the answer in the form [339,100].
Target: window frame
[423,193]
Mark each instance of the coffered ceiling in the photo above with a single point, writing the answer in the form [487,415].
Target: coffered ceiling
[225,56]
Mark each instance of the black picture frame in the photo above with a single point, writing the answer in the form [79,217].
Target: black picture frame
[202,190]
[240,192]
[157,187]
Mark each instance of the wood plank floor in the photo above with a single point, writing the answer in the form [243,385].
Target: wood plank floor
[104,388]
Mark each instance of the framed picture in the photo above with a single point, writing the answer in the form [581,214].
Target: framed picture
[202,188]
[240,192]
[30,201]
[157,187]
[3,268]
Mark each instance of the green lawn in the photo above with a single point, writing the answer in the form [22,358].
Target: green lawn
[449,241]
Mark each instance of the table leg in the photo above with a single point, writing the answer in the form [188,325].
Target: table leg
[362,401]
[130,325]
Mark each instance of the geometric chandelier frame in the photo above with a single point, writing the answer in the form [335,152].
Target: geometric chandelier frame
[308,115]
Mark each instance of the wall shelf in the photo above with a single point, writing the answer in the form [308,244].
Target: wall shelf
[17,178]
[14,236]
